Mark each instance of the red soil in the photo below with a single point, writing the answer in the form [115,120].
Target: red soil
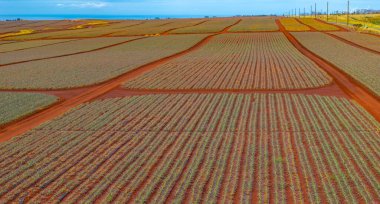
[28,123]
[311,28]
[330,90]
[344,86]
[37,46]
[354,44]
[350,86]
[168,31]
[75,53]
[338,26]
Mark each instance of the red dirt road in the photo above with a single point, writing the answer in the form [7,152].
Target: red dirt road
[343,86]
[352,88]
[353,44]
[28,123]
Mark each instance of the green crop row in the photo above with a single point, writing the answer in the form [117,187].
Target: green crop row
[198,147]
[93,67]
[255,24]
[237,61]
[16,105]
[360,64]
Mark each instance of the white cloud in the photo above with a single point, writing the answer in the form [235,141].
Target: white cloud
[83,4]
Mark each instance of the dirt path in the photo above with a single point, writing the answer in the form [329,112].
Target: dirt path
[168,31]
[343,86]
[35,46]
[75,53]
[28,123]
[338,26]
[352,43]
[311,28]
[339,38]
[352,88]
[330,90]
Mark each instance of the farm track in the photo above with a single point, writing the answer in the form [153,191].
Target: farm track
[339,38]
[311,28]
[36,46]
[329,90]
[22,126]
[338,26]
[352,88]
[110,88]
[71,54]
[265,168]
[353,44]
[167,32]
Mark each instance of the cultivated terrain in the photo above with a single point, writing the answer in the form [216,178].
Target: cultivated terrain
[216,110]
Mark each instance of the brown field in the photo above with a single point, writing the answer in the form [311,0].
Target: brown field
[240,111]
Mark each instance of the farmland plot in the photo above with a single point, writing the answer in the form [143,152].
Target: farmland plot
[198,147]
[292,24]
[95,32]
[358,63]
[32,27]
[16,105]
[212,26]
[5,42]
[237,61]
[255,24]
[70,47]
[365,40]
[153,28]
[93,67]
[8,47]
[62,33]
[318,25]
[16,26]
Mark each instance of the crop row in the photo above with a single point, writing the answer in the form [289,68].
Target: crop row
[365,40]
[93,67]
[5,42]
[255,24]
[8,47]
[16,105]
[38,26]
[198,147]
[358,63]
[211,26]
[25,25]
[65,48]
[153,27]
[320,26]
[237,61]
[86,32]
[292,24]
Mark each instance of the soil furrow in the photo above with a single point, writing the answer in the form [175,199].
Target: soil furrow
[358,92]
[71,54]
[353,44]
[28,123]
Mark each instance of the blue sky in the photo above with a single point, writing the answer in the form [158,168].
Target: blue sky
[169,7]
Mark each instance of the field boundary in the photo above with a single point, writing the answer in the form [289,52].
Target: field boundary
[34,120]
[71,54]
[351,87]
[352,43]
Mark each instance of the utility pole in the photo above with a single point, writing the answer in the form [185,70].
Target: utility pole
[327,12]
[304,12]
[315,10]
[311,11]
[348,11]
[299,13]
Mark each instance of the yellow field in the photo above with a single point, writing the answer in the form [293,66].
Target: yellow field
[292,24]
[21,32]
[318,25]
[358,22]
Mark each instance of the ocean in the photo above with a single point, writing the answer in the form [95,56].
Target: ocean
[105,17]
